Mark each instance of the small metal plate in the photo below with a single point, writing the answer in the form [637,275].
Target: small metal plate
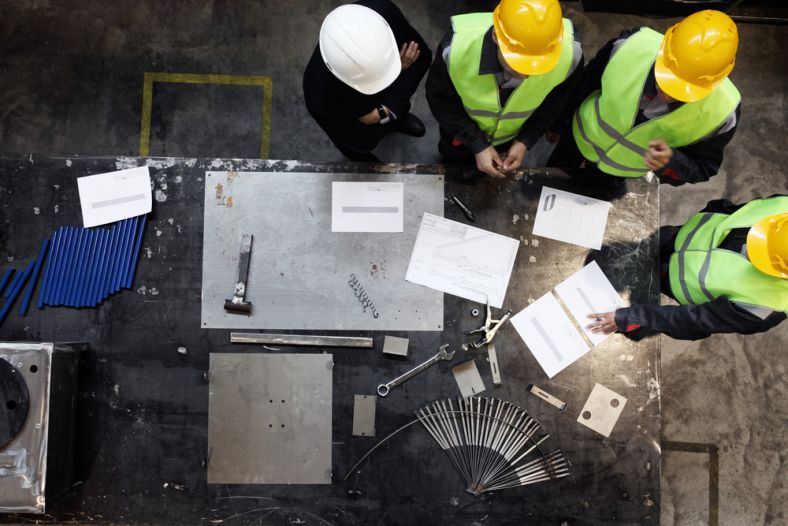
[602,410]
[269,419]
[364,415]
[395,346]
[468,378]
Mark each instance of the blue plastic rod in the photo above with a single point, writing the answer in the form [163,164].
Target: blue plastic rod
[47,272]
[65,265]
[114,260]
[20,282]
[81,263]
[13,283]
[34,278]
[79,248]
[49,296]
[71,264]
[108,255]
[137,246]
[123,256]
[10,302]
[6,277]
[122,226]
[94,270]
[124,275]
[82,284]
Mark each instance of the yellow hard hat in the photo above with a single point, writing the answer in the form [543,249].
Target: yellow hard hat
[529,34]
[696,55]
[767,245]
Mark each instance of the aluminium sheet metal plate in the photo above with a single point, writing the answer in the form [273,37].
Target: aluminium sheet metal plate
[299,272]
[269,418]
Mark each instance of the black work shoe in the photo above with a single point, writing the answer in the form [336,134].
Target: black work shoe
[409,125]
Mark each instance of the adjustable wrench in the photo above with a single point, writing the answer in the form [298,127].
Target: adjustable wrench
[443,354]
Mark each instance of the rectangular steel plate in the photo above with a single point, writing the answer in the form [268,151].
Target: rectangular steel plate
[364,415]
[468,378]
[298,278]
[395,346]
[269,419]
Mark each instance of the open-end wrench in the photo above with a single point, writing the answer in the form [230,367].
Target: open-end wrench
[443,354]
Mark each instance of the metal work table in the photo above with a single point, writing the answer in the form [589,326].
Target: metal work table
[143,407]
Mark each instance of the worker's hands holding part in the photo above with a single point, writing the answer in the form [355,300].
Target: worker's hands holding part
[514,157]
[604,322]
[658,154]
[373,117]
[489,162]
[408,54]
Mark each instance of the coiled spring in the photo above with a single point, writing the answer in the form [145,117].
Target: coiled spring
[361,295]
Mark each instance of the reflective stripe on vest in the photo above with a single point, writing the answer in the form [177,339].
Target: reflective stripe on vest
[479,93]
[603,126]
[700,271]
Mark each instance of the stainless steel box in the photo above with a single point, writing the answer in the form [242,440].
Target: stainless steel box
[37,465]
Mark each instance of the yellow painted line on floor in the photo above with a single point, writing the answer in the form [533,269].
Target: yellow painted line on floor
[266,83]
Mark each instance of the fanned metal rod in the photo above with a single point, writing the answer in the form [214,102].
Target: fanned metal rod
[497,432]
[508,465]
[455,422]
[492,428]
[505,420]
[528,427]
[514,463]
[535,445]
[424,419]
[447,420]
[440,439]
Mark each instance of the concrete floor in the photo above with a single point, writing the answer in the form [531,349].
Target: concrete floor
[72,84]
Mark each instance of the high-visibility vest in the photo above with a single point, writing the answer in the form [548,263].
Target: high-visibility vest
[700,271]
[604,124]
[479,93]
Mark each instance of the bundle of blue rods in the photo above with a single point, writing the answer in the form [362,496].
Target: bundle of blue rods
[85,266]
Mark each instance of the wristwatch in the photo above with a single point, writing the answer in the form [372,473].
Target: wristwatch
[384,116]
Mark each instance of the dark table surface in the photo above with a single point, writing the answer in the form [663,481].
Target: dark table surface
[143,407]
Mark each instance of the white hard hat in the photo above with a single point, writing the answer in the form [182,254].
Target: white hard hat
[359,48]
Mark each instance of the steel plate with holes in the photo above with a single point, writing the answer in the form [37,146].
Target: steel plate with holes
[14,402]
[299,271]
[269,419]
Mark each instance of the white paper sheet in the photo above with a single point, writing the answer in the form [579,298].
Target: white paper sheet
[588,291]
[549,334]
[571,218]
[462,260]
[366,207]
[109,197]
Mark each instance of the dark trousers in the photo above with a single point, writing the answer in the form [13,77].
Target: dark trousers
[358,140]
[567,155]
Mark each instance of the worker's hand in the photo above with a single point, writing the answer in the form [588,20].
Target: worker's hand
[604,322]
[373,117]
[409,54]
[658,154]
[514,157]
[489,162]
[552,137]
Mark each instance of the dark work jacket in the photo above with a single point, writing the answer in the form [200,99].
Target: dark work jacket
[448,109]
[337,107]
[694,322]
[693,163]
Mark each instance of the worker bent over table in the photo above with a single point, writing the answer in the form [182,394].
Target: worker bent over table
[728,269]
